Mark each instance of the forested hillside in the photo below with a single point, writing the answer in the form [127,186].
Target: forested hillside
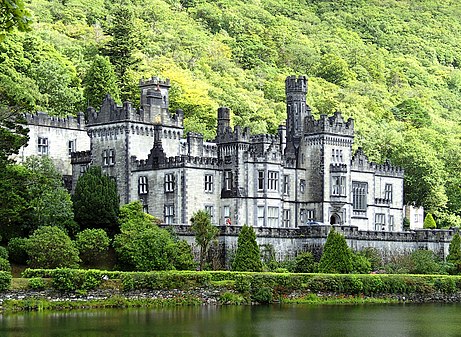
[392,65]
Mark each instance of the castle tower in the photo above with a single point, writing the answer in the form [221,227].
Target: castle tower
[297,111]
[223,120]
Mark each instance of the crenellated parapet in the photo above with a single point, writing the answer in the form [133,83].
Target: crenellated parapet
[360,162]
[176,162]
[154,81]
[333,125]
[111,112]
[296,84]
[81,157]
[231,136]
[68,122]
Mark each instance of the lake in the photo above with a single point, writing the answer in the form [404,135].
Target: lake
[276,320]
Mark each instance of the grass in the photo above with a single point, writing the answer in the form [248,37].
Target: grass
[342,299]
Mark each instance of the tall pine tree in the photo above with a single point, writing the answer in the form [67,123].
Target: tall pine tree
[248,256]
[337,256]
[100,81]
[454,253]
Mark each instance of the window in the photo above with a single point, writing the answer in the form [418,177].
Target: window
[302,216]
[391,223]
[169,182]
[260,180]
[302,185]
[208,183]
[142,185]
[388,192]
[71,145]
[338,185]
[111,157]
[210,211]
[169,214]
[286,183]
[228,180]
[83,168]
[286,218]
[359,195]
[380,222]
[42,146]
[310,215]
[105,158]
[272,217]
[260,216]
[272,181]
[226,212]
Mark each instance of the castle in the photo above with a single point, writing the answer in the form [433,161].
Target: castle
[292,187]
[304,174]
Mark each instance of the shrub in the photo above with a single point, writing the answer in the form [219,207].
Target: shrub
[360,264]
[454,254]
[36,283]
[429,222]
[337,256]
[5,265]
[3,252]
[247,257]
[51,247]
[5,280]
[372,255]
[17,250]
[425,262]
[304,263]
[92,243]
[262,295]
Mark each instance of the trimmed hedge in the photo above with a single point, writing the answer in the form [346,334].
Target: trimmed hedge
[259,287]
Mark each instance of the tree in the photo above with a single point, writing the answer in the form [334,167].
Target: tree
[454,253]
[337,256]
[247,257]
[50,247]
[92,244]
[100,80]
[304,263]
[429,222]
[96,201]
[204,232]
[13,14]
[143,246]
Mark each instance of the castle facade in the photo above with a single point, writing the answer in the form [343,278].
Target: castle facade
[306,174]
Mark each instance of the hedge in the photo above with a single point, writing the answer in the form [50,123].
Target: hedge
[249,283]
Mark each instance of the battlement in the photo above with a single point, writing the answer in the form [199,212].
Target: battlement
[387,169]
[360,162]
[154,81]
[237,135]
[267,138]
[69,122]
[298,84]
[176,162]
[81,157]
[334,124]
[111,112]
[338,168]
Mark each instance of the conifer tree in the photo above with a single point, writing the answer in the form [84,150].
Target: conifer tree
[337,256]
[248,256]
[100,81]
[454,253]
[96,201]
[429,222]
[204,232]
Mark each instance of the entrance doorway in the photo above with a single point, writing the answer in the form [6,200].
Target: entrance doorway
[335,219]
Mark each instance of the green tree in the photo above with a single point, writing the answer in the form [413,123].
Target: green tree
[337,256]
[454,253]
[100,80]
[429,222]
[96,201]
[92,245]
[304,263]
[13,14]
[50,247]
[205,232]
[247,257]
[425,262]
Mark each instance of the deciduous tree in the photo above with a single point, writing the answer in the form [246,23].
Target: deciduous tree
[205,232]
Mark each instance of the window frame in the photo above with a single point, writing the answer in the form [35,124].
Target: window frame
[43,146]
[169,183]
[208,185]
[272,181]
[143,186]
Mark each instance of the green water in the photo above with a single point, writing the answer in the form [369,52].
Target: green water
[278,321]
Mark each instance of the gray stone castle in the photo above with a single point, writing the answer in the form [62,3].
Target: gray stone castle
[306,174]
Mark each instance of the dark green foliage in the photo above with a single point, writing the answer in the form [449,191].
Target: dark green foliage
[5,280]
[372,255]
[92,244]
[454,253]
[100,80]
[413,112]
[13,14]
[3,252]
[96,201]
[305,263]
[205,232]
[360,264]
[51,247]
[429,222]
[337,256]
[17,250]
[37,283]
[247,256]
[5,265]
[143,246]
[425,262]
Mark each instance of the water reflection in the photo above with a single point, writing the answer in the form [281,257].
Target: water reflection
[259,321]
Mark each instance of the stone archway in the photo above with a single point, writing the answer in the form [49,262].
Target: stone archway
[335,219]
